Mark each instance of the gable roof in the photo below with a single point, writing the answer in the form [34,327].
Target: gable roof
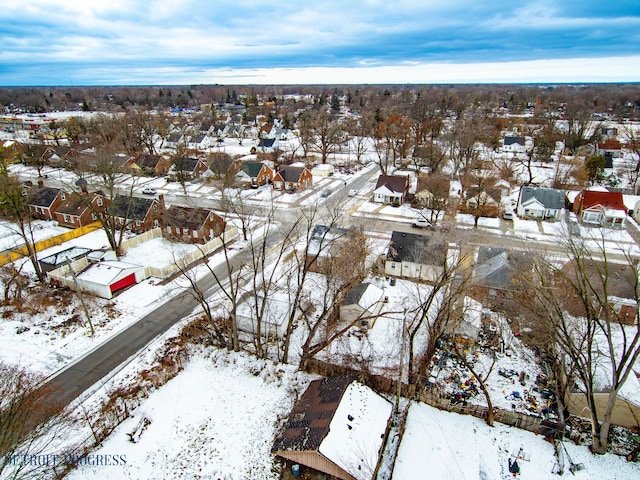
[366,295]
[511,140]
[266,142]
[148,161]
[342,420]
[394,183]
[252,169]
[42,196]
[291,174]
[411,247]
[75,204]
[185,164]
[496,267]
[310,417]
[549,197]
[132,208]
[592,198]
[186,217]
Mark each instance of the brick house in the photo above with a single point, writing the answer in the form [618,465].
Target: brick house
[80,209]
[292,178]
[192,224]
[42,201]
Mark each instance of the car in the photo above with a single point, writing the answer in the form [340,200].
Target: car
[149,191]
[325,193]
[352,192]
[508,215]
[422,223]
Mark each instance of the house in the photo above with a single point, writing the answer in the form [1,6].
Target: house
[148,165]
[362,305]
[273,322]
[514,144]
[106,278]
[43,201]
[496,275]
[602,208]
[337,427]
[292,178]
[322,244]
[136,214]
[390,189]
[540,203]
[267,145]
[80,209]
[610,147]
[199,142]
[192,224]
[174,140]
[185,169]
[415,256]
[323,170]
[254,173]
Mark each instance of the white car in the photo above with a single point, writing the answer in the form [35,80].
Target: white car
[149,191]
[352,193]
[422,223]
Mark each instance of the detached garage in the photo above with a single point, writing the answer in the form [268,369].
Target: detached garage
[106,278]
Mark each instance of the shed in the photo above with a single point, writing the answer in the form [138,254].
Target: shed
[362,304]
[323,170]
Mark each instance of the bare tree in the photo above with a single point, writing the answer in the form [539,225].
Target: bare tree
[29,419]
[12,205]
[577,299]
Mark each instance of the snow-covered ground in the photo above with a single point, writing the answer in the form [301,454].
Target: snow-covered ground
[217,419]
[442,446]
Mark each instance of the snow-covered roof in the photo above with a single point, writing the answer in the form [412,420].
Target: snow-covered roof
[357,430]
[366,295]
[104,273]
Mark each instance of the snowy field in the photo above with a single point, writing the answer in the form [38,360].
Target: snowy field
[439,445]
[217,419]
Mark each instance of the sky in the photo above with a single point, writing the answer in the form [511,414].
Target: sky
[164,42]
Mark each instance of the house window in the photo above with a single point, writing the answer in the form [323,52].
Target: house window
[137,223]
[155,207]
[99,201]
[93,216]
[66,218]
[185,231]
[63,196]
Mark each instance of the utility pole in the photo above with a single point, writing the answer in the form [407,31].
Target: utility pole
[79,293]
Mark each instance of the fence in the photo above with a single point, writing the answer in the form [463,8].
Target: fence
[60,275]
[19,252]
[386,385]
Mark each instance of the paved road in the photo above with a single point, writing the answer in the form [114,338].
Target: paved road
[72,381]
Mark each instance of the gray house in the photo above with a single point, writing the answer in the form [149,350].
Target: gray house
[540,203]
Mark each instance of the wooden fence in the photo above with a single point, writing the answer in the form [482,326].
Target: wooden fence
[386,385]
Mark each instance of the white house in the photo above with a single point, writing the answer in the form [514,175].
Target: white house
[415,256]
[362,305]
[273,323]
[540,203]
[390,189]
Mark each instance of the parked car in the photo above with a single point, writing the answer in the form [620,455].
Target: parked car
[325,193]
[422,223]
[149,191]
[352,193]
[508,215]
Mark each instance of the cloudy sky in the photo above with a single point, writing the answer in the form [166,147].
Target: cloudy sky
[109,42]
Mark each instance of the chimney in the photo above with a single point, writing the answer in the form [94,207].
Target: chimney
[40,183]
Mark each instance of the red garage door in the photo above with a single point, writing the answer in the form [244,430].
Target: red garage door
[123,283]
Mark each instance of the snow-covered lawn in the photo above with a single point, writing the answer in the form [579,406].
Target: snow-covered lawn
[217,419]
[448,446]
